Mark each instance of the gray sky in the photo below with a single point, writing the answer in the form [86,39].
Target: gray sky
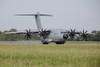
[78,14]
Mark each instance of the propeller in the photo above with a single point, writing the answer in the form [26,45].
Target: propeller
[44,33]
[83,34]
[72,33]
[28,34]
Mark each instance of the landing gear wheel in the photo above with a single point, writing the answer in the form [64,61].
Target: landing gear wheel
[44,42]
[59,42]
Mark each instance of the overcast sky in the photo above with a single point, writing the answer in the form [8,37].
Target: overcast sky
[74,14]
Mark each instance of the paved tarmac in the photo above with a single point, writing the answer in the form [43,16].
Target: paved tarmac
[21,42]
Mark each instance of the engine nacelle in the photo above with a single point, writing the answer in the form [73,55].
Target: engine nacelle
[65,36]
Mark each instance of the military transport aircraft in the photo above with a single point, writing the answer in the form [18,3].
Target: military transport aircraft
[59,36]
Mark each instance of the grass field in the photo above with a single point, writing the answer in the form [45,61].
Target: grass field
[73,54]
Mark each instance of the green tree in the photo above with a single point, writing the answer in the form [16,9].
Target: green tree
[8,37]
[94,31]
[97,36]
[12,30]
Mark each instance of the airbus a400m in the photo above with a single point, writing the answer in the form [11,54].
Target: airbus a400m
[59,36]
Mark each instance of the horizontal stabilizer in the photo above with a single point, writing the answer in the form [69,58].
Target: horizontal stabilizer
[33,15]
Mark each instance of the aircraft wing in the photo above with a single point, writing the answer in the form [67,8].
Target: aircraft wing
[84,33]
[21,32]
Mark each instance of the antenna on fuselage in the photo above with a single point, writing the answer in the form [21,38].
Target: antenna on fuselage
[37,18]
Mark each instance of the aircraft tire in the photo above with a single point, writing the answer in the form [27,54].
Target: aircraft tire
[44,42]
[59,42]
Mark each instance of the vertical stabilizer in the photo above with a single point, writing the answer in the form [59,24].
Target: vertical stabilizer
[37,18]
[38,21]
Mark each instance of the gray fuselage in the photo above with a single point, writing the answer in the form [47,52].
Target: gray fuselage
[56,35]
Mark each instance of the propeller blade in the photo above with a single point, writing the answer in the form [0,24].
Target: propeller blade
[86,31]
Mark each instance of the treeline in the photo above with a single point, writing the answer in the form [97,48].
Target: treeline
[15,37]
[95,36]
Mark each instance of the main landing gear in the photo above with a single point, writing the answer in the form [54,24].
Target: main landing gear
[60,42]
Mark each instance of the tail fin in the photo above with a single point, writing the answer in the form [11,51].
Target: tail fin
[37,18]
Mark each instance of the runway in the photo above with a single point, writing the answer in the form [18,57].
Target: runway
[21,42]
[38,42]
